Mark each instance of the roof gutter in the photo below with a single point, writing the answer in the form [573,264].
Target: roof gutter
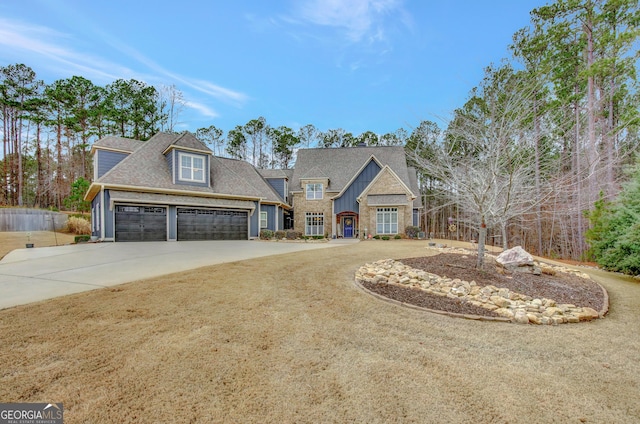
[94,188]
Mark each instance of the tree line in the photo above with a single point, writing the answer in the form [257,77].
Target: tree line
[48,130]
[544,133]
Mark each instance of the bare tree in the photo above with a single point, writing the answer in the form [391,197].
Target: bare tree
[485,163]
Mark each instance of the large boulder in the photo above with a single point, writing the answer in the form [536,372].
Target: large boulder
[517,260]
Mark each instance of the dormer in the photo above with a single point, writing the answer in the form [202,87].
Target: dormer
[189,166]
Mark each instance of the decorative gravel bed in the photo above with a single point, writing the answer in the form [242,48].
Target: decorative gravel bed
[567,287]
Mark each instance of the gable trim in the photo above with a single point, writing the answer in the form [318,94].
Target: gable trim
[109,149]
[375,180]
[95,188]
[186,149]
[357,173]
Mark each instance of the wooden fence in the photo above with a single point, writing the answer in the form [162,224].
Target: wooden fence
[17,219]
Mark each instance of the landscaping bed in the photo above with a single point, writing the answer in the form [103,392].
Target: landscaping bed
[562,287]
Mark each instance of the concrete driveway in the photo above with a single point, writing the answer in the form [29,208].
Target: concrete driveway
[31,275]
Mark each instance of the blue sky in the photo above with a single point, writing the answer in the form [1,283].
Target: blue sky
[359,65]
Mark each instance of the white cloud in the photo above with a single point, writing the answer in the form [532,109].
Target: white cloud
[44,48]
[202,109]
[362,20]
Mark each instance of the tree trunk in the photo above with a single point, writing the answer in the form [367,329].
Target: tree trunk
[482,239]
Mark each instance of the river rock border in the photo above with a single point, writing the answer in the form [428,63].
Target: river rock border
[510,306]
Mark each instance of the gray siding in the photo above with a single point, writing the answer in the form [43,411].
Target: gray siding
[280,219]
[108,216]
[348,202]
[279,185]
[271,216]
[107,160]
[170,160]
[254,222]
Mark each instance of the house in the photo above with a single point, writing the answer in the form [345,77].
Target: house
[354,192]
[172,187]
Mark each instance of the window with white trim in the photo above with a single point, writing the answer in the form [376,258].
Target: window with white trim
[263,220]
[387,221]
[314,224]
[191,168]
[314,191]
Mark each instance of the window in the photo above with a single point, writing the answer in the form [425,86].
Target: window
[191,168]
[314,191]
[314,225]
[263,220]
[387,221]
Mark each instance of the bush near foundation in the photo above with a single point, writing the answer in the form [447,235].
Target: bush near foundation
[266,234]
[412,231]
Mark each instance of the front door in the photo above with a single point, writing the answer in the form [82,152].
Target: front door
[347,228]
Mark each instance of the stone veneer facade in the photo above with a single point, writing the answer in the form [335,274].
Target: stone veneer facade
[385,183]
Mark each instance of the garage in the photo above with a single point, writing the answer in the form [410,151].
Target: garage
[212,224]
[140,223]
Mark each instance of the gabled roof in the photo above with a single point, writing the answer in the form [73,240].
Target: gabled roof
[387,170]
[341,164]
[233,176]
[112,142]
[188,141]
[146,169]
[276,173]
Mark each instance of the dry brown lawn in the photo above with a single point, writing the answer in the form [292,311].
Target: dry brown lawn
[11,240]
[290,339]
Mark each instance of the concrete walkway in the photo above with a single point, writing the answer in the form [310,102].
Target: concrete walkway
[31,275]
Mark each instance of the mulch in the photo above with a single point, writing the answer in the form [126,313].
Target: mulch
[562,287]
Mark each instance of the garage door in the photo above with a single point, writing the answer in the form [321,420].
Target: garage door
[212,224]
[141,223]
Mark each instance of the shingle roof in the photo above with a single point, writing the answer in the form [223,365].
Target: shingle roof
[118,143]
[341,164]
[276,173]
[237,177]
[167,199]
[188,140]
[147,167]
[386,199]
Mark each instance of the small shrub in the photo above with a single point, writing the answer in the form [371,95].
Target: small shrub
[377,237]
[78,226]
[293,235]
[82,238]
[266,234]
[397,237]
[385,237]
[412,231]
[280,234]
[318,237]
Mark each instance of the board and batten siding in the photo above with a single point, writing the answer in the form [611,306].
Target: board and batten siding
[280,186]
[107,160]
[347,202]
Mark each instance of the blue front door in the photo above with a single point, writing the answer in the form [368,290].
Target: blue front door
[347,229]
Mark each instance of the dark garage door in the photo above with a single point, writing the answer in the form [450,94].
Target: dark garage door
[141,223]
[212,224]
